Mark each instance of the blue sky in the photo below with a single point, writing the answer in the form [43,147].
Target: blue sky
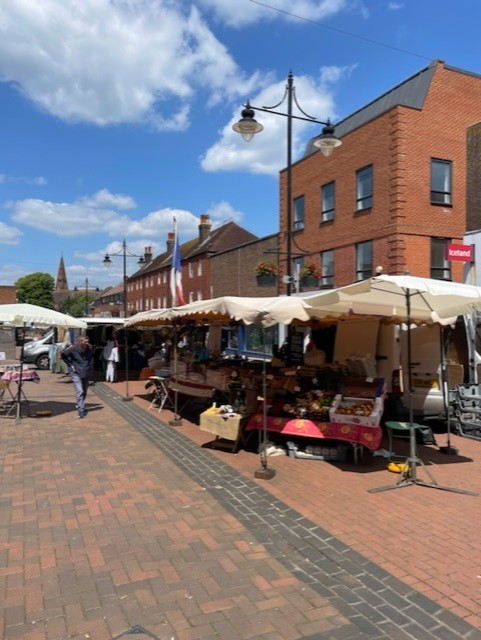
[116,115]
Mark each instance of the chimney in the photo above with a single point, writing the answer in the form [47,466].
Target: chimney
[148,255]
[204,227]
[170,241]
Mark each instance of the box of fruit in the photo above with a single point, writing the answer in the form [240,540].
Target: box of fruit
[363,411]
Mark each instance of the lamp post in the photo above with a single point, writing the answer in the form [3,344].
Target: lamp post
[124,253]
[86,295]
[247,126]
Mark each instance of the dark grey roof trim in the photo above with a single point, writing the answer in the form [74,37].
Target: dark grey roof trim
[409,93]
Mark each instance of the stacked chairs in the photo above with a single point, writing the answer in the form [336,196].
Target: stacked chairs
[465,410]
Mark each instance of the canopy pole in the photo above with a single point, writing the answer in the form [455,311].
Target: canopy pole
[264,472]
[176,420]
[409,476]
[448,449]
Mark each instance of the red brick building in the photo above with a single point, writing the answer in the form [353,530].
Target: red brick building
[8,294]
[149,287]
[394,195]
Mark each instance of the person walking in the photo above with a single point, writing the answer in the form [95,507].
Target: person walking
[111,356]
[79,363]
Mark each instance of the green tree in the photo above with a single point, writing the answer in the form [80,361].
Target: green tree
[76,305]
[36,288]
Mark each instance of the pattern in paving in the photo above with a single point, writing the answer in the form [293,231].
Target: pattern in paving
[100,531]
[374,602]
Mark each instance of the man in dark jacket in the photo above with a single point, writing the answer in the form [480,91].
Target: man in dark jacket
[79,362]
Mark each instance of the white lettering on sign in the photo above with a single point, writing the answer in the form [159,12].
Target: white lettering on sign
[462,252]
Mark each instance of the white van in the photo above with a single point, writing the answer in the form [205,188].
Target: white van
[382,348]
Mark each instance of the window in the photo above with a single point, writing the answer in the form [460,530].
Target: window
[363,260]
[199,295]
[199,268]
[191,296]
[328,201]
[259,339]
[164,277]
[440,266]
[327,268]
[441,181]
[364,188]
[191,270]
[299,213]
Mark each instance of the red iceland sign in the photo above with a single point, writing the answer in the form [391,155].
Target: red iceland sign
[463,252]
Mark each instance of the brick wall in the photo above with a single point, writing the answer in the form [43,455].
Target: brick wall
[232,272]
[399,144]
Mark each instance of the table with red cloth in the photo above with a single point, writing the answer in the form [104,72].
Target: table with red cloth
[20,375]
[369,437]
[27,375]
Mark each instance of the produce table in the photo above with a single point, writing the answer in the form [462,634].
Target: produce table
[369,437]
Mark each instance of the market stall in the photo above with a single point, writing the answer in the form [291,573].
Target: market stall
[407,299]
[29,314]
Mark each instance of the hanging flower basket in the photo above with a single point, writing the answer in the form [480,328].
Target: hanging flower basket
[266,279]
[310,275]
[266,274]
[309,281]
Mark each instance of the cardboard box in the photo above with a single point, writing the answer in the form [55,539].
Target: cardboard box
[355,405]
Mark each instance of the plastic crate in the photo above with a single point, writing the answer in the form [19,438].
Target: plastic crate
[334,453]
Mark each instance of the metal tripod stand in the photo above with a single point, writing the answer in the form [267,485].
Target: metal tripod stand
[409,476]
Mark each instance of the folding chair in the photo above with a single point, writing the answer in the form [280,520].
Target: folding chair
[6,404]
[161,397]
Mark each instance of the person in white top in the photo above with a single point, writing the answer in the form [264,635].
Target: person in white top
[111,356]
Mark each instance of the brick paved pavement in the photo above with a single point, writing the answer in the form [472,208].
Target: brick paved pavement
[120,520]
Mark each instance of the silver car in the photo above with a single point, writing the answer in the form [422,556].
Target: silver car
[37,352]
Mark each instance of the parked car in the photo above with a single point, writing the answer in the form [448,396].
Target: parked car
[37,352]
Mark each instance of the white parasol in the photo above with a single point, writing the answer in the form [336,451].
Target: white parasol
[408,299]
[22,313]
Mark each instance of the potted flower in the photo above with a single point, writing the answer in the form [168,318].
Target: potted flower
[266,274]
[309,275]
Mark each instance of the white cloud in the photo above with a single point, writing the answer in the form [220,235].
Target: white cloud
[266,153]
[105,198]
[9,235]
[103,213]
[113,61]
[4,178]
[240,14]
[10,273]
[222,212]
[394,6]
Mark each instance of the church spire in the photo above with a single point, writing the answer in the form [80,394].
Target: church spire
[61,283]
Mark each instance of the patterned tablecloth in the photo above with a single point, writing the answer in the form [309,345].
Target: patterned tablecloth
[28,375]
[370,437]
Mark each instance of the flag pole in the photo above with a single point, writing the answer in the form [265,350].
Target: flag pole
[175,288]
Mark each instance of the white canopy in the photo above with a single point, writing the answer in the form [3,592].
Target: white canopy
[265,311]
[401,297]
[21,313]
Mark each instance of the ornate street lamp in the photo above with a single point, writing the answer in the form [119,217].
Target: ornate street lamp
[124,253]
[248,127]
